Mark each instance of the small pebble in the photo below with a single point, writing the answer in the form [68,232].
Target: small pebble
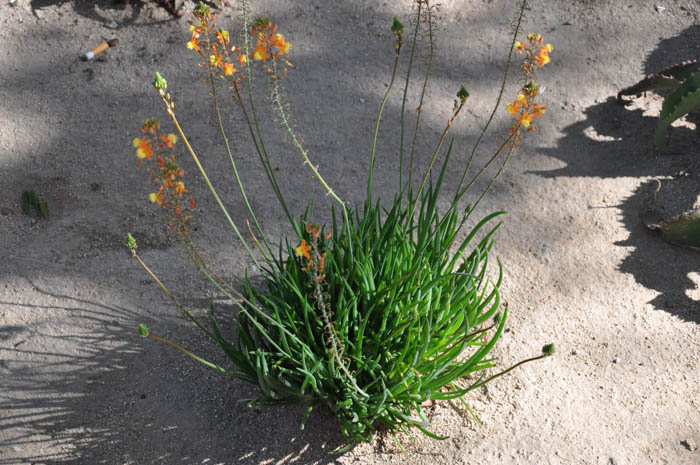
[659,8]
[362,100]
[112,25]
[617,360]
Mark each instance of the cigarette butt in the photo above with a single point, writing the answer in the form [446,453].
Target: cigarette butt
[101,48]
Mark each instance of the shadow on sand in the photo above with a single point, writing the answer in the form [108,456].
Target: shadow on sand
[604,138]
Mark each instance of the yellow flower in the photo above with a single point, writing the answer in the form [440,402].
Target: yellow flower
[141,153]
[520,99]
[190,45]
[512,108]
[136,142]
[549,48]
[303,250]
[152,197]
[286,48]
[172,138]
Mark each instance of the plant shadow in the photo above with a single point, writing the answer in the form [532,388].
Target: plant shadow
[122,12]
[615,139]
[105,395]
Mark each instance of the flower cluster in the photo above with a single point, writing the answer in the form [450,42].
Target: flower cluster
[524,108]
[167,174]
[270,42]
[214,45]
[221,57]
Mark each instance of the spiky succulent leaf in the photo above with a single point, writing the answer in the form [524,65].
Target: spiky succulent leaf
[669,78]
[681,102]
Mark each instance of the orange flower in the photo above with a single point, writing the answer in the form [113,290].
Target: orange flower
[525,119]
[260,53]
[222,36]
[168,140]
[193,44]
[512,108]
[144,149]
[216,60]
[229,69]
[542,58]
[303,250]
[180,188]
[520,46]
[538,110]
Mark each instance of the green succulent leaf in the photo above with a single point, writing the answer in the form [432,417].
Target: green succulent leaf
[683,230]
[681,102]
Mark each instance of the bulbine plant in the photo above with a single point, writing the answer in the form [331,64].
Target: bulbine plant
[385,308]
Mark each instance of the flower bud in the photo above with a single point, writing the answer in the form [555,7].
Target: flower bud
[202,10]
[159,83]
[131,243]
[462,95]
[548,349]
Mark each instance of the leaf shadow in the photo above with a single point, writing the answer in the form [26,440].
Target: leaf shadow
[615,139]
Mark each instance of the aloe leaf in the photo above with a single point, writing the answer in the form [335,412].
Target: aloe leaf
[681,102]
[683,230]
[669,78]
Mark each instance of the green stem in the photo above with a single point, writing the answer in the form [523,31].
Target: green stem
[488,380]
[461,193]
[428,70]
[262,152]
[405,92]
[233,163]
[498,100]
[187,352]
[171,114]
[171,296]
[376,131]
[277,101]
[435,154]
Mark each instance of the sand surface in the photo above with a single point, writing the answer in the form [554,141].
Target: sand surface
[77,383]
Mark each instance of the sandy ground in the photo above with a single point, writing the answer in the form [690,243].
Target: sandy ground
[77,383]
